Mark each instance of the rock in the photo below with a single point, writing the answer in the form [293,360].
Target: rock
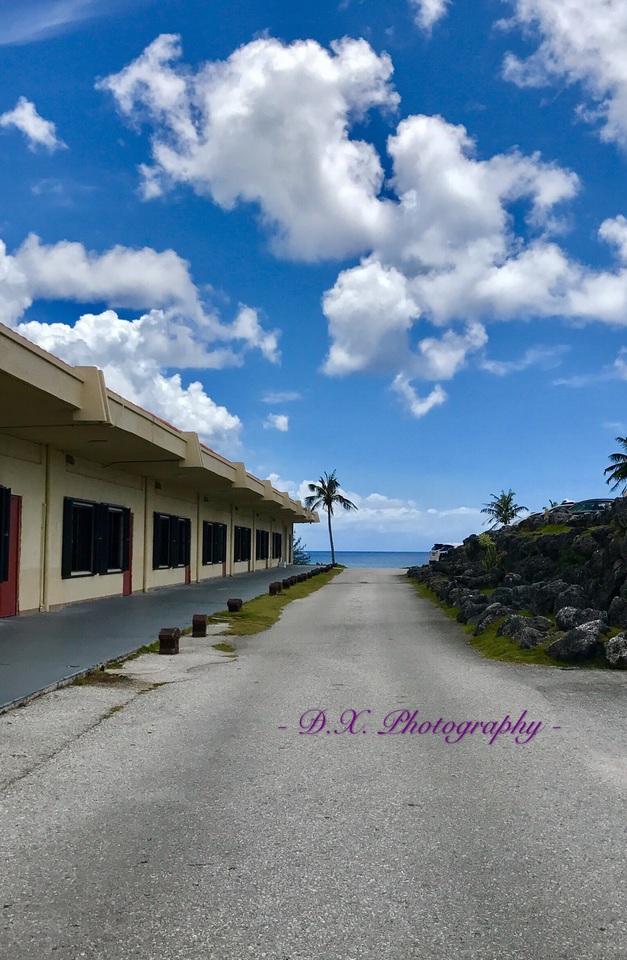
[546,593]
[573,596]
[540,623]
[568,617]
[512,580]
[502,595]
[617,613]
[512,626]
[523,596]
[488,616]
[584,545]
[529,638]
[581,643]
[616,651]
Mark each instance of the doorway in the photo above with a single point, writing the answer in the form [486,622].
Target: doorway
[9,585]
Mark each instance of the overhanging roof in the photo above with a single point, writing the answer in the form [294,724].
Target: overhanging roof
[71,408]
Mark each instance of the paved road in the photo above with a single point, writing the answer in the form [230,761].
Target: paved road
[38,650]
[190,826]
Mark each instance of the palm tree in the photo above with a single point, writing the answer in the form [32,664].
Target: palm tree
[617,470]
[502,508]
[326,494]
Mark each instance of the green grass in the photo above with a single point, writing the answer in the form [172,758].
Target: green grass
[547,528]
[224,647]
[262,612]
[97,678]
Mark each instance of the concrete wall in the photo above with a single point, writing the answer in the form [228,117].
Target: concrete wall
[23,469]
[43,477]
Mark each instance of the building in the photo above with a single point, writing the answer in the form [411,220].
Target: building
[99,497]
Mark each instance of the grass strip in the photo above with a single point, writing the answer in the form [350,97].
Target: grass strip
[263,612]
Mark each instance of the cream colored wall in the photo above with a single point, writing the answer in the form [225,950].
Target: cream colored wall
[89,481]
[22,468]
[179,502]
[214,513]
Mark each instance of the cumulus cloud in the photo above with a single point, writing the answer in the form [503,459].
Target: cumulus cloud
[132,354]
[247,327]
[428,12]
[407,522]
[38,132]
[137,354]
[458,241]
[417,406]
[277,421]
[581,41]
[269,126]
[370,312]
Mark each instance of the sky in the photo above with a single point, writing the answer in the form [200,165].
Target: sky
[385,239]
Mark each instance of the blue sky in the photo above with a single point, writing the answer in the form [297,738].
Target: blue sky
[397,249]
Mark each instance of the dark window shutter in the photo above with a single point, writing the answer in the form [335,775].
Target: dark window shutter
[174,542]
[101,538]
[126,532]
[5,532]
[66,548]
[187,534]
[156,541]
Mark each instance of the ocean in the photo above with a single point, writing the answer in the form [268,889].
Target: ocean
[366,558]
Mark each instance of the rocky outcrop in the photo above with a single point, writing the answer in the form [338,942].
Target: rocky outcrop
[562,587]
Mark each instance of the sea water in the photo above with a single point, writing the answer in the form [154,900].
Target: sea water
[374,558]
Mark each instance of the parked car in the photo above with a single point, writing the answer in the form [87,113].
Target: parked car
[438,550]
[591,506]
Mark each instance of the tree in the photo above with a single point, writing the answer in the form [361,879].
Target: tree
[299,552]
[326,494]
[502,509]
[617,470]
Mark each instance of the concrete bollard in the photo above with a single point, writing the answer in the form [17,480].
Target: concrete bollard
[169,640]
[199,625]
[234,605]
[274,588]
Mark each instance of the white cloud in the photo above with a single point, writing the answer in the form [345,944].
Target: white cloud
[137,355]
[281,396]
[277,421]
[246,327]
[132,354]
[428,12]
[467,240]
[404,521]
[31,20]
[370,312]
[270,126]
[544,357]
[417,406]
[580,41]
[38,132]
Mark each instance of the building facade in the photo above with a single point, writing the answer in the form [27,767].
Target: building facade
[100,498]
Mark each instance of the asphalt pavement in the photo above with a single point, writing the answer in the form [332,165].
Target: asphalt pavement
[202,820]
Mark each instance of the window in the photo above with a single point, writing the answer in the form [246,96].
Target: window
[277,546]
[213,542]
[95,538]
[261,544]
[171,545]
[241,544]
[5,529]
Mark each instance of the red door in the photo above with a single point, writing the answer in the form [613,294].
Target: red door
[9,587]
[127,576]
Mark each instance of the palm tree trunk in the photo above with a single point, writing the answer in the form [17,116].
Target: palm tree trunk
[331,537]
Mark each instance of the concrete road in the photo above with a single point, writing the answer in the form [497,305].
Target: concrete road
[190,825]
